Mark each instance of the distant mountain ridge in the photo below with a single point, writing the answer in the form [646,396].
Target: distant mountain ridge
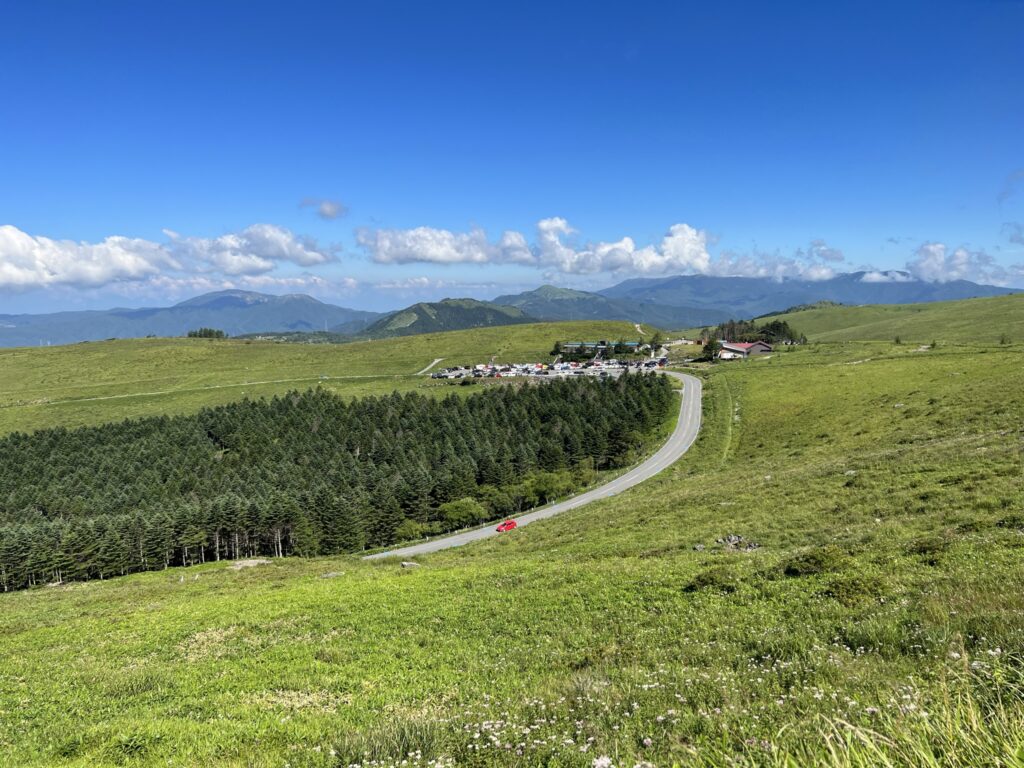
[234,312]
[552,303]
[746,297]
[674,302]
[445,315]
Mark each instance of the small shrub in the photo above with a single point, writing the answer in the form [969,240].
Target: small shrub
[929,548]
[1015,520]
[855,589]
[818,560]
[717,578]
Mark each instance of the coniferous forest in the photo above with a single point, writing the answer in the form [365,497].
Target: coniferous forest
[305,474]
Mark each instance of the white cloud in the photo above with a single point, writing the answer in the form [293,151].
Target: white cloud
[38,262]
[254,250]
[28,261]
[819,249]
[556,250]
[441,246]
[935,262]
[683,248]
[326,209]
[412,284]
[888,276]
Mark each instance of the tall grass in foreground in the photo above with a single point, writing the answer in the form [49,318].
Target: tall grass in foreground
[973,718]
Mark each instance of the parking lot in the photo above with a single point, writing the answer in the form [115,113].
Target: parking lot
[562,370]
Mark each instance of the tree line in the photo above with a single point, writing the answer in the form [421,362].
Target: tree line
[207,333]
[304,474]
[772,332]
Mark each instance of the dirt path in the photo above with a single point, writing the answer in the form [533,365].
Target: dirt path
[207,387]
[438,360]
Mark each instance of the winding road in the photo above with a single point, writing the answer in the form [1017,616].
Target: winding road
[677,444]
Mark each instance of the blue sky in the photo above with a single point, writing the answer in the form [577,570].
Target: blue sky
[382,154]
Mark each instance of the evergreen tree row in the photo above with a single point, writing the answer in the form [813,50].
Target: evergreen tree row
[304,474]
[772,332]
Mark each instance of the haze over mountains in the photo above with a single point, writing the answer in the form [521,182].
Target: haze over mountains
[745,297]
[671,302]
[551,303]
[234,312]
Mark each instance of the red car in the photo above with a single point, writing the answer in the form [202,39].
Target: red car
[508,525]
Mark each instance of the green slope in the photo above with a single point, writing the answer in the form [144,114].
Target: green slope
[984,321]
[872,624]
[552,303]
[106,381]
[445,315]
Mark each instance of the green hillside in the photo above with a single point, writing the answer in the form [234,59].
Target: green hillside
[984,321]
[108,381]
[827,579]
[445,315]
[552,303]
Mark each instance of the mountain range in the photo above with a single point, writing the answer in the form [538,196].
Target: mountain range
[234,312]
[551,303]
[681,301]
[746,297]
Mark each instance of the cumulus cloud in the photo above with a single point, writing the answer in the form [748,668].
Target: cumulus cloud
[441,246]
[29,261]
[325,208]
[558,249]
[254,250]
[683,248]
[936,262]
[38,262]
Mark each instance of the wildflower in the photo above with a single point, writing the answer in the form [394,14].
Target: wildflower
[602,762]
[647,741]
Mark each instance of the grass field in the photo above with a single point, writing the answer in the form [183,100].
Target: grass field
[877,621]
[104,381]
[972,321]
[982,321]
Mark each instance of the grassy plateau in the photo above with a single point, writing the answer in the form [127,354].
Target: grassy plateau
[97,382]
[831,577]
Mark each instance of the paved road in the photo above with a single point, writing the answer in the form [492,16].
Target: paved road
[679,443]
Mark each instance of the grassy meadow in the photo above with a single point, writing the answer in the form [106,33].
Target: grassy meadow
[980,321]
[866,610]
[96,382]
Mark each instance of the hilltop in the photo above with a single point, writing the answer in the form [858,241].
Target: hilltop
[445,315]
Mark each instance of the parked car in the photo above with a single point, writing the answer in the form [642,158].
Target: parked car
[508,525]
